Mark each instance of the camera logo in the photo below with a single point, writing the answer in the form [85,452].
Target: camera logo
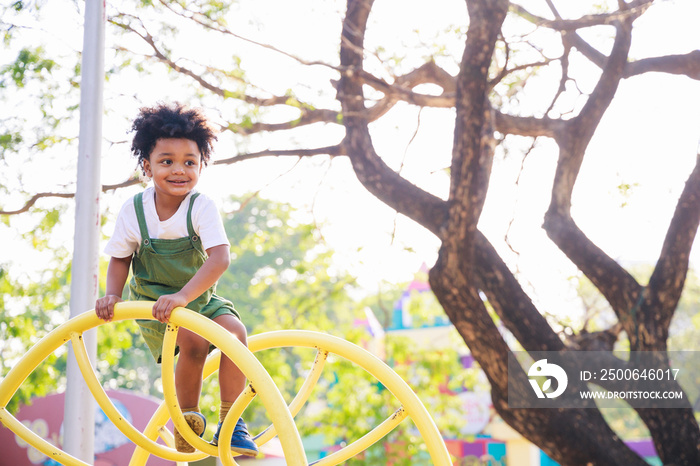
[542,368]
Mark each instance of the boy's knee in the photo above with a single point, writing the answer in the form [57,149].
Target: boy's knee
[234,326]
[193,346]
[237,329]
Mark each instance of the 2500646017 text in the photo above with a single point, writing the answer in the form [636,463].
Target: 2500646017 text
[630,374]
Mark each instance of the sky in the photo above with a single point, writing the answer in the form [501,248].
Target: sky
[648,141]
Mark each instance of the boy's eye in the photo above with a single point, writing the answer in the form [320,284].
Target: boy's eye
[190,163]
[166,162]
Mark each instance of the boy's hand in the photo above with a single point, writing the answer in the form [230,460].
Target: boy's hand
[165,305]
[104,307]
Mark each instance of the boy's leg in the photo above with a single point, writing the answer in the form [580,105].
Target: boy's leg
[188,383]
[231,379]
[231,384]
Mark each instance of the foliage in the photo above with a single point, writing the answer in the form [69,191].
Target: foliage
[34,295]
[30,307]
[39,79]
[277,263]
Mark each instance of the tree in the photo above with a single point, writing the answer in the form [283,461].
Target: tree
[504,50]
[469,265]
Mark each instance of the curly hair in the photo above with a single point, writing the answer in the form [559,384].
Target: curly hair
[170,121]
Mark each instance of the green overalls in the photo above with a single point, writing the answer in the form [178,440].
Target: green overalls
[164,266]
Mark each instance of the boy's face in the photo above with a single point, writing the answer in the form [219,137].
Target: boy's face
[174,165]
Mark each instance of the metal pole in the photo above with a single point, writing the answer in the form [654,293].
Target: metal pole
[79,414]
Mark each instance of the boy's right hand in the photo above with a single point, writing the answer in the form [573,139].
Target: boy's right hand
[104,307]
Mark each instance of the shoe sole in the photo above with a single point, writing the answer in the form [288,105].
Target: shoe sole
[239,450]
[244,451]
[197,424]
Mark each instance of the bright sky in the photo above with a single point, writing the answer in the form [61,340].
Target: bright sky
[649,140]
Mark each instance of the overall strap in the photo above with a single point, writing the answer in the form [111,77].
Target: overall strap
[143,227]
[190,228]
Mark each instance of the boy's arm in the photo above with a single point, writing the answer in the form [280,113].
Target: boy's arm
[117,273]
[210,272]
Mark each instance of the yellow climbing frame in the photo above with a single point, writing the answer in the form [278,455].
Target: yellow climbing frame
[279,413]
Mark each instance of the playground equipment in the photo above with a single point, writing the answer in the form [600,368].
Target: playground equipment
[261,384]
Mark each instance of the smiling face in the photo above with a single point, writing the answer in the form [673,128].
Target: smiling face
[174,165]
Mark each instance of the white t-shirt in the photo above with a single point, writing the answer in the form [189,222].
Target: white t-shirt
[206,222]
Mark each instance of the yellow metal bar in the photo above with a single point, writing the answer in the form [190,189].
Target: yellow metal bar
[376,367]
[365,441]
[242,402]
[156,425]
[309,383]
[229,425]
[169,440]
[269,394]
[301,397]
[151,431]
[170,395]
[60,335]
[37,442]
[32,358]
[114,415]
[273,402]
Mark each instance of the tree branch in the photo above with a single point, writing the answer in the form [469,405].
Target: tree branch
[585,21]
[162,57]
[377,177]
[604,92]
[328,150]
[616,284]
[30,203]
[307,117]
[402,87]
[686,65]
[510,302]
[527,126]
[577,133]
[203,21]
[335,150]
[667,281]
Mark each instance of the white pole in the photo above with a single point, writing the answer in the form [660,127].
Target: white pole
[79,414]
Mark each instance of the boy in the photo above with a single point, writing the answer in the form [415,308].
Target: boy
[174,240]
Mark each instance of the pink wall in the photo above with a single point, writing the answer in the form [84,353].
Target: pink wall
[45,417]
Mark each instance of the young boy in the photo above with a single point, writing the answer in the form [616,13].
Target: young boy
[174,240]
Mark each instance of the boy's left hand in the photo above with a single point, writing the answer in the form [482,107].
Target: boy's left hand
[165,305]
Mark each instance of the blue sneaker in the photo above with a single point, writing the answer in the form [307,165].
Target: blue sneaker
[241,442]
[198,423]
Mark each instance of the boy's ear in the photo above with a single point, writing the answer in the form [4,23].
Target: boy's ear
[146,167]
